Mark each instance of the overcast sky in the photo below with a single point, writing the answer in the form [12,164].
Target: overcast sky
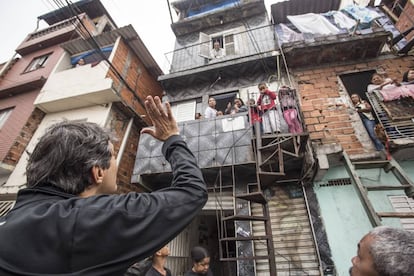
[150,18]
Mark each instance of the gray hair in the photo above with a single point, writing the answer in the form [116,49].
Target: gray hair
[65,155]
[393,251]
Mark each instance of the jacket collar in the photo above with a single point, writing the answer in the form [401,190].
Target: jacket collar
[47,190]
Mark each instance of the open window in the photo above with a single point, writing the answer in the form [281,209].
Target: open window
[227,42]
[223,99]
[37,63]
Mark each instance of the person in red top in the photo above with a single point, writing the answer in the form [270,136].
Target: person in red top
[266,104]
[254,114]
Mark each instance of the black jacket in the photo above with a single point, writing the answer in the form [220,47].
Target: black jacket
[49,232]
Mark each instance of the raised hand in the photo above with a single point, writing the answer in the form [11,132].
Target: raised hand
[164,124]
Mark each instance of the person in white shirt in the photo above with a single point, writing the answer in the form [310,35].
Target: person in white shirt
[211,111]
[217,51]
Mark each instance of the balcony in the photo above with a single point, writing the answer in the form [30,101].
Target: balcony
[244,51]
[75,88]
[55,34]
[223,146]
[197,15]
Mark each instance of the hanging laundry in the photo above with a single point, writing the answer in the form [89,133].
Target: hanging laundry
[364,15]
[342,20]
[290,112]
[313,23]
[286,34]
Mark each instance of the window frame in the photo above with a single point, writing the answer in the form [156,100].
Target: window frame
[4,115]
[37,63]
[207,41]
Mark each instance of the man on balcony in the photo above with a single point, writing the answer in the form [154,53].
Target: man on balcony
[217,51]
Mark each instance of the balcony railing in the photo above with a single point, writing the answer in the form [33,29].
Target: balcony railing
[255,41]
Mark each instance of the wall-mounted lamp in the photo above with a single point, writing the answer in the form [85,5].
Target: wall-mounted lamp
[221,19]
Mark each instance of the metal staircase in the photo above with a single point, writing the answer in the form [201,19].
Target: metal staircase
[236,239]
[242,239]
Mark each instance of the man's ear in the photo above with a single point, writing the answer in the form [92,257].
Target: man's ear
[97,175]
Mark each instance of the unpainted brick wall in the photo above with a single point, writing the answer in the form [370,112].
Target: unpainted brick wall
[406,19]
[118,124]
[137,77]
[326,112]
[24,137]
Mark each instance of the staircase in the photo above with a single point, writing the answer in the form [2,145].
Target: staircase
[243,235]
[265,238]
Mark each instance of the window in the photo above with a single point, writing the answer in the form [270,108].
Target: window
[37,63]
[184,111]
[227,41]
[4,115]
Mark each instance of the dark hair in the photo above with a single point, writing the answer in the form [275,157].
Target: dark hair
[239,100]
[65,155]
[198,253]
[405,76]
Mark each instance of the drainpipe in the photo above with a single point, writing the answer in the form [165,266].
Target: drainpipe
[124,141]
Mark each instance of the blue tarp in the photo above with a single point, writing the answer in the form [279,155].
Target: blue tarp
[210,7]
[106,50]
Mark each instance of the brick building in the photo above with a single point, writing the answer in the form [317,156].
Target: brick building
[109,88]
[288,203]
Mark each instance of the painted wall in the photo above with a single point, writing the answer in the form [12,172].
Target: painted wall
[97,114]
[22,105]
[343,216]
[16,75]
[77,87]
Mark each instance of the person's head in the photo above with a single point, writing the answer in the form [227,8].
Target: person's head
[238,102]
[216,45]
[408,75]
[75,157]
[163,252]
[251,102]
[198,116]
[355,98]
[201,259]
[81,61]
[219,113]
[262,87]
[377,79]
[384,251]
[212,102]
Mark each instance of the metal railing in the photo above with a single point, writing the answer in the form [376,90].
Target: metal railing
[245,43]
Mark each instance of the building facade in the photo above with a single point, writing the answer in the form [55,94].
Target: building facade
[82,67]
[288,203]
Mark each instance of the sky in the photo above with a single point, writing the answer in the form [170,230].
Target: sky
[150,19]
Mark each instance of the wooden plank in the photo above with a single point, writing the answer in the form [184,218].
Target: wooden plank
[384,188]
[370,164]
[372,215]
[396,214]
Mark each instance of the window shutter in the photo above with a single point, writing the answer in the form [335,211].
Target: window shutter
[184,111]
[204,45]
[229,44]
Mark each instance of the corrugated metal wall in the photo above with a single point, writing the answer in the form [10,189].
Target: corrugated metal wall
[292,235]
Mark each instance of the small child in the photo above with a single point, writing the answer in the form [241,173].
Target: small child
[266,104]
